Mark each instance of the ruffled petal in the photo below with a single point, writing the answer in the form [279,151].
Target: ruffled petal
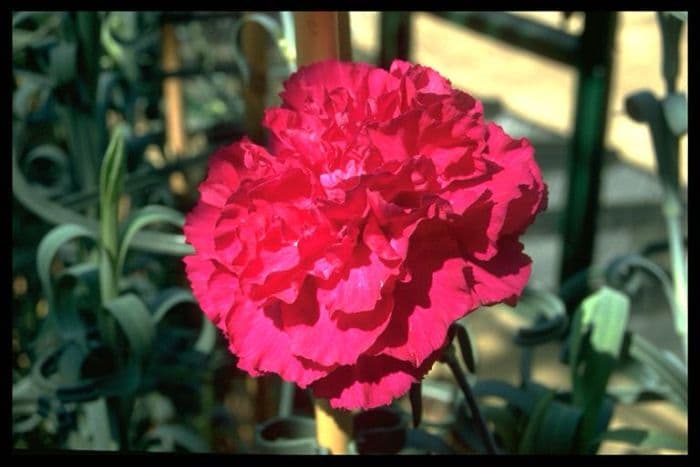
[215,288]
[372,382]
[329,338]
[501,278]
[435,297]
[262,347]
[360,288]
[311,82]
[198,228]
[518,187]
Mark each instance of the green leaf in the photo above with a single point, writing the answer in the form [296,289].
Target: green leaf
[54,213]
[642,383]
[22,38]
[135,321]
[647,439]
[527,442]
[106,82]
[632,394]
[465,429]
[548,313]
[599,425]
[664,364]
[558,429]
[59,167]
[97,426]
[169,299]
[87,24]
[207,337]
[112,173]
[25,418]
[505,425]
[73,286]
[111,184]
[621,267]
[600,321]
[49,246]
[603,316]
[39,205]
[140,219]
[25,408]
[607,312]
[522,400]
[536,302]
[125,57]
[33,90]
[174,296]
[157,242]
[82,134]
[167,437]
[63,65]
[119,383]
[113,168]
[39,17]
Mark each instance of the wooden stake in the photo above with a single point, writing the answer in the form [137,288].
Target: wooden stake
[176,138]
[333,427]
[318,38]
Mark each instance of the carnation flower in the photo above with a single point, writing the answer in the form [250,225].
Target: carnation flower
[385,210]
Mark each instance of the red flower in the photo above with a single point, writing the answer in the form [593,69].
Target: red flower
[386,209]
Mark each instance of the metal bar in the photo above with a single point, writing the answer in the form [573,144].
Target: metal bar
[519,32]
[587,144]
[344,37]
[254,42]
[395,30]
[190,71]
[173,17]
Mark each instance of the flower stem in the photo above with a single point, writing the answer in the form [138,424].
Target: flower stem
[479,421]
[672,214]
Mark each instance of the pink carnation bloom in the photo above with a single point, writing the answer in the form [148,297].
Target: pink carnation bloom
[385,210]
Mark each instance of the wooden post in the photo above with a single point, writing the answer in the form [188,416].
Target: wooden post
[172,93]
[318,38]
[333,427]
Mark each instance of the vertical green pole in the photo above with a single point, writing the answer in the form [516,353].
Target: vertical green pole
[588,141]
[395,30]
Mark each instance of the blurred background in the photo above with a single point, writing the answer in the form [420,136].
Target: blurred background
[187,83]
